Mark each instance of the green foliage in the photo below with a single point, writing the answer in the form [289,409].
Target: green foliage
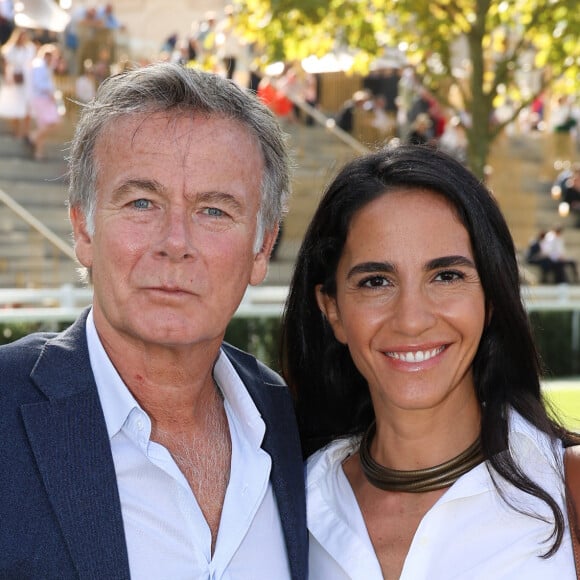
[553,334]
[259,336]
[501,40]
[12,332]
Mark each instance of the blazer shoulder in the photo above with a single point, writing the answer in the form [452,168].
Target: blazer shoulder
[245,361]
[24,352]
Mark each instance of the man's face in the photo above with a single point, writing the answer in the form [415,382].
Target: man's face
[175,222]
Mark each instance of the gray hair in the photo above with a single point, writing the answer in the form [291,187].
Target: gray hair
[171,87]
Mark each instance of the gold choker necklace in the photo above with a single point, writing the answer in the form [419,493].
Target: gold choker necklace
[418,480]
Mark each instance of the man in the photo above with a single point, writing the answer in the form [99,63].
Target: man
[136,443]
[554,246]
[571,191]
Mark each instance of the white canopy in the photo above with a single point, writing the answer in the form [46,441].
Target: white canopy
[44,14]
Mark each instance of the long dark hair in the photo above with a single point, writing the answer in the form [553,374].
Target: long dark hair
[332,397]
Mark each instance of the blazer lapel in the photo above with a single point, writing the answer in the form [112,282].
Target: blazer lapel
[68,435]
[281,442]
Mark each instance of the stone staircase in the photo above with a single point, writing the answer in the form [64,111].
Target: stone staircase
[27,259]
[524,168]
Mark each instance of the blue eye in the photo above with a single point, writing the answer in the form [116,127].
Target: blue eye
[214,212]
[141,203]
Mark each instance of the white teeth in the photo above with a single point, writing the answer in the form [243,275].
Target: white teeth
[415,356]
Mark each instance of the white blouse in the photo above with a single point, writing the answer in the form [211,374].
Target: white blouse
[470,532]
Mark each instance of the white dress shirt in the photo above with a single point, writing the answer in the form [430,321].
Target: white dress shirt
[166,532]
[469,534]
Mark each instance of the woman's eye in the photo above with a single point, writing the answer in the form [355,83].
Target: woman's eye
[373,282]
[449,276]
[141,203]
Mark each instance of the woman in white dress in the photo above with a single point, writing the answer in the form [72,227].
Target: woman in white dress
[43,102]
[417,384]
[17,53]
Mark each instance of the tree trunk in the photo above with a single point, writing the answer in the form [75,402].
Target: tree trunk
[479,133]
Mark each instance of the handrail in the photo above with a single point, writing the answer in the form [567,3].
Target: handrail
[36,224]
[330,125]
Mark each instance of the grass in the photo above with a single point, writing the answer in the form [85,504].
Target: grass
[566,401]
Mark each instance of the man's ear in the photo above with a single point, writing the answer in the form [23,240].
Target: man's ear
[262,258]
[329,309]
[82,238]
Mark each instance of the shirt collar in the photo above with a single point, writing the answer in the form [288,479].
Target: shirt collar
[116,399]
[239,403]
[118,402]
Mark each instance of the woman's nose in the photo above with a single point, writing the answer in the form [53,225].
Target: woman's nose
[413,311]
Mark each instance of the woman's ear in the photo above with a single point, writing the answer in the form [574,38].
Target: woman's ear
[330,311]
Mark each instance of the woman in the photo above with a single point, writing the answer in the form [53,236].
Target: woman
[18,53]
[417,383]
[44,106]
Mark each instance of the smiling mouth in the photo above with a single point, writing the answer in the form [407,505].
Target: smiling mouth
[416,355]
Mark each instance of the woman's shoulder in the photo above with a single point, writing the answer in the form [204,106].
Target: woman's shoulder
[329,458]
[524,437]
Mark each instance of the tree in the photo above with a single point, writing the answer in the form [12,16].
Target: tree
[485,52]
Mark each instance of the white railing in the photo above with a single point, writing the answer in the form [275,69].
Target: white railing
[64,304]
[556,297]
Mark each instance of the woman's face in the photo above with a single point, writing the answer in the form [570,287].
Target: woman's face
[409,302]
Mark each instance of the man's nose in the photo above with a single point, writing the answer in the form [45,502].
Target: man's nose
[176,239]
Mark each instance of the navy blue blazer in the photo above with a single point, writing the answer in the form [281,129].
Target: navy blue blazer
[60,513]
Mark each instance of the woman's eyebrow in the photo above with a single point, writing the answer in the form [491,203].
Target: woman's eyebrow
[389,268]
[369,267]
[448,261]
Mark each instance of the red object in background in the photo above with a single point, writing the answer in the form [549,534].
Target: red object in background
[276,101]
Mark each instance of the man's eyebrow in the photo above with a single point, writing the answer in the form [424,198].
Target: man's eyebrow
[153,186]
[219,197]
[146,185]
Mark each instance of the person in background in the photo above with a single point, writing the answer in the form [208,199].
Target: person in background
[421,130]
[18,53]
[228,44]
[535,255]
[86,84]
[345,118]
[43,102]
[554,246]
[141,445]
[6,20]
[570,192]
[417,383]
